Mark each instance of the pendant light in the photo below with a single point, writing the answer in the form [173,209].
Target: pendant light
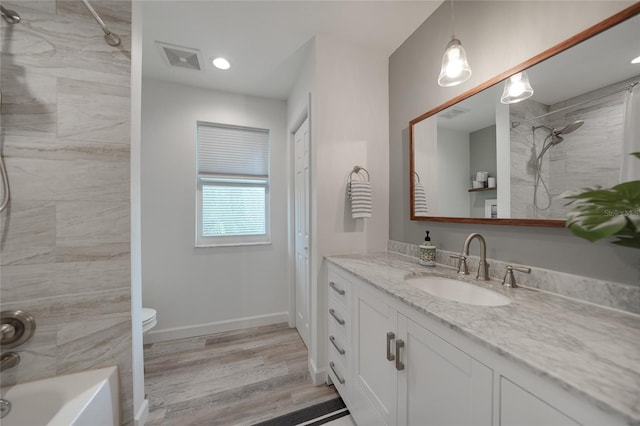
[516,89]
[455,68]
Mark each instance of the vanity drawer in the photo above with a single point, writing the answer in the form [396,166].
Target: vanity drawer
[338,375]
[339,288]
[339,318]
[338,343]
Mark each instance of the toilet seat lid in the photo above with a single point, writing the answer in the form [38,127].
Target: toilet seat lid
[148,315]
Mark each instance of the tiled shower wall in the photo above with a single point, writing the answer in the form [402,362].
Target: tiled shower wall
[595,147]
[64,247]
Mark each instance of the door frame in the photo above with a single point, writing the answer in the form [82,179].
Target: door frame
[295,125]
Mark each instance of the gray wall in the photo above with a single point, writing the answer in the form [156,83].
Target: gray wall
[497,35]
[64,251]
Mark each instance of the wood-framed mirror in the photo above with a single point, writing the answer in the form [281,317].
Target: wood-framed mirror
[474,159]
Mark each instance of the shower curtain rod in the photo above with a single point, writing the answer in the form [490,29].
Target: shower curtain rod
[630,86]
[112,39]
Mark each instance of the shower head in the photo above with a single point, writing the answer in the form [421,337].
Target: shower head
[11,16]
[569,128]
[572,127]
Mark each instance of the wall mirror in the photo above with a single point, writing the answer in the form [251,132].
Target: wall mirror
[477,160]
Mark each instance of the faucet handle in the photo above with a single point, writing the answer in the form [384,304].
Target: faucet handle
[462,263]
[509,279]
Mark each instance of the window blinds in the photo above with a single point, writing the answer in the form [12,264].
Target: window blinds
[230,150]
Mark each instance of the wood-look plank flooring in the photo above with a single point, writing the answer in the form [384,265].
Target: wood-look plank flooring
[233,378]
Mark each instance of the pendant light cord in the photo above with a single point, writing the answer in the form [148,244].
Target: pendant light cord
[453,34]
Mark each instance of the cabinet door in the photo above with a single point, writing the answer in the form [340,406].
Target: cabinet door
[519,407]
[374,373]
[440,384]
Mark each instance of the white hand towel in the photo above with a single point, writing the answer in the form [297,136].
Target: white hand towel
[419,200]
[360,195]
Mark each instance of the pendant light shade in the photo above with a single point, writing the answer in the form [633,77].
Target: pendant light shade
[455,68]
[516,89]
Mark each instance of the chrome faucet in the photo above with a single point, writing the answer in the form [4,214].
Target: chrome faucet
[483,266]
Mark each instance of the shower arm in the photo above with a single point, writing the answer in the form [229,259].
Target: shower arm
[627,87]
[112,39]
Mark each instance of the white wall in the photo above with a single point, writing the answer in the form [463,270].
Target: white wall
[201,290]
[349,127]
[497,35]
[453,182]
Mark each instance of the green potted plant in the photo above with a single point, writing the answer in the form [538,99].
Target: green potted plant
[597,213]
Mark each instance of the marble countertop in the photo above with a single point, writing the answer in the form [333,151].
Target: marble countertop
[590,351]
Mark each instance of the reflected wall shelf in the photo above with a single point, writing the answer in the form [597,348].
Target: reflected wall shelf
[482,189]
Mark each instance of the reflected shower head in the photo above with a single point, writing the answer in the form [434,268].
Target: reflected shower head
[570,128]
[11,16]
[555,137]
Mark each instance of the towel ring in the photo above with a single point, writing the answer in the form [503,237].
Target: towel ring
[356,170]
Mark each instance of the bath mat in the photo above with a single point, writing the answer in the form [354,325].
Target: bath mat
[315,415]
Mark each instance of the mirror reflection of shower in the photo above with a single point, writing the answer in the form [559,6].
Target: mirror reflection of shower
[552,139]
[11,17]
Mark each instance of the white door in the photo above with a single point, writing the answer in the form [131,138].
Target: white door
[374,360]
[302,200]
[440,385]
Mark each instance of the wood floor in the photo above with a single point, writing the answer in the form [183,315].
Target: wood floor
[234,378]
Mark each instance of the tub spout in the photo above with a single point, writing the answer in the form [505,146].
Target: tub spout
[9,360]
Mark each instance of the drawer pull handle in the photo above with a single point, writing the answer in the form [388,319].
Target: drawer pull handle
[333,340]
[337,318]
[333,368]
[338,290]
[390,337]
[399,364]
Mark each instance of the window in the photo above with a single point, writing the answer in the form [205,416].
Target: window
[233,185]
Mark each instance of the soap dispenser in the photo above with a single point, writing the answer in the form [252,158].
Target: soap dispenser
[427,252]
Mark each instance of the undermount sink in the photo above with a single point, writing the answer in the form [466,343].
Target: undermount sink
[458,291]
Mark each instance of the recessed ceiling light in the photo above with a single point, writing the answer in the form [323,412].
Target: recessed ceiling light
[221,63]
[636,60]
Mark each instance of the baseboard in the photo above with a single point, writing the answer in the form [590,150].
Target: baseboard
[155,336]
[318,376]
[142,415]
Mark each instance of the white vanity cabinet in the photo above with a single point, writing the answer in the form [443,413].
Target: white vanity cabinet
[440,384]
[394,365]
[404,374]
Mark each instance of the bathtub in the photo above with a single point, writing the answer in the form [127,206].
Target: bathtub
[89,398]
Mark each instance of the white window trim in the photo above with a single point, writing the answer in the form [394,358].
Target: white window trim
[232,240]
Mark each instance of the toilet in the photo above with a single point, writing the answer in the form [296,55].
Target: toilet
[148,319]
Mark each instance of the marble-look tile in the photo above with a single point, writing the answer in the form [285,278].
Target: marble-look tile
[37,356]
[28,101]
[92,230]
[52,148]
[99,342]
[80,307]
[91,111]
[94,343]
[27,233]
[110,11]
[22,282]
[34,281]
[52,180]
[65,125]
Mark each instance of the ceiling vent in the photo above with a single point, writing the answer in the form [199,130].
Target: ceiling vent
[180,56]
[452,112]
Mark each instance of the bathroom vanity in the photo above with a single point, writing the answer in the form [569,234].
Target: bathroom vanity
[401,356]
